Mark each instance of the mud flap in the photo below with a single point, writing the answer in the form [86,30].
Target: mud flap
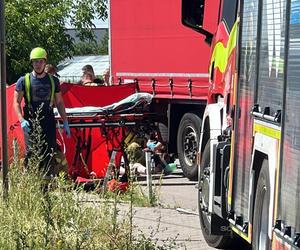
[219,223]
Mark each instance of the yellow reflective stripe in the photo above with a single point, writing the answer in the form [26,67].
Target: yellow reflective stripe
[229,198]
[278,170]
[243,235]
[232,39]
[232,148]
[52,89]
[27,87]
[219,57]
[271,132]
[220,53]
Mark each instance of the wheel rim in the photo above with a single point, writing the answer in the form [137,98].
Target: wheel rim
[263,235]
[190,145]
[204,195]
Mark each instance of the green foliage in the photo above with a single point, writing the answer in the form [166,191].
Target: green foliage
[66,217]
[92,48]
[104,45]
[42,23]
[54,213]
[84,48]
[33,219]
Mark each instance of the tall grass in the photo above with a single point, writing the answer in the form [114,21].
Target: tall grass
[32,218]
[52,215]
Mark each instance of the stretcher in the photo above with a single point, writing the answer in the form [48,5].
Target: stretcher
[101,118]
[98,135]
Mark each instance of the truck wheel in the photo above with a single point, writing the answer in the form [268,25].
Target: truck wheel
[216,241]
[188,137]
[261,239]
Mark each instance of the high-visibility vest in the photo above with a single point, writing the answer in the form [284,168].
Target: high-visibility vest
[27,89]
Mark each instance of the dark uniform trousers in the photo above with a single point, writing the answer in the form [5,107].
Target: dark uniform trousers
[46,120]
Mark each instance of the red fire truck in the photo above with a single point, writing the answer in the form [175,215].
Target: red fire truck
[249,153]
[151,47]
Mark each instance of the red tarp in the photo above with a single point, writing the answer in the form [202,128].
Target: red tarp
[103,140]
[101,146]
[80,96]
[14,129]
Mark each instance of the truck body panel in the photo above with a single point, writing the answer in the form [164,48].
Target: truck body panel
[149,42]
[266,65]
[150,46]
[260,175]
[289,183]
[268,58]
[244,132]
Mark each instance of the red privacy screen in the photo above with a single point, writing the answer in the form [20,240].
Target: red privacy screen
[80,96]
[14,132]
[88,150]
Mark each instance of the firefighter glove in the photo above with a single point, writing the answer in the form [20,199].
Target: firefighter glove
[67,129]
[25,126]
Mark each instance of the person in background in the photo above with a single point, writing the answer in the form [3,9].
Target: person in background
[153,142]
[51,69]
[87,79]
[40,91]
[106,76]
[89,69]
[159,155]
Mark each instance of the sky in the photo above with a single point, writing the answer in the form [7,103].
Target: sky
[101,24]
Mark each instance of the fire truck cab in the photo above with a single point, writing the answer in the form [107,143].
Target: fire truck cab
[249,156]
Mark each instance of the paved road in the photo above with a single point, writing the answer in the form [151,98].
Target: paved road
[175,220]
[177,217]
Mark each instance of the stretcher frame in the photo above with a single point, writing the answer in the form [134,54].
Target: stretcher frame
[124,122]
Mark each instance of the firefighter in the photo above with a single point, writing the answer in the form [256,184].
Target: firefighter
[40,91]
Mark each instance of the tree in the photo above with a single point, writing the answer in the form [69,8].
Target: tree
[104,44]
[85,48]
[92,48]
[41,23]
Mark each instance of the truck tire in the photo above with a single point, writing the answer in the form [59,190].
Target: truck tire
[188,138]
[216,241]
[261,239]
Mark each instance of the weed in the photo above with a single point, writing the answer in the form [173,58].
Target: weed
[53,214]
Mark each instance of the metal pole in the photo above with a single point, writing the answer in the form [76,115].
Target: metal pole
[3,101]
[109,169]
[149,176]
[111,80]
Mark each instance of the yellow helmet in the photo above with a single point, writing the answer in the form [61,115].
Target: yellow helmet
[38,53]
